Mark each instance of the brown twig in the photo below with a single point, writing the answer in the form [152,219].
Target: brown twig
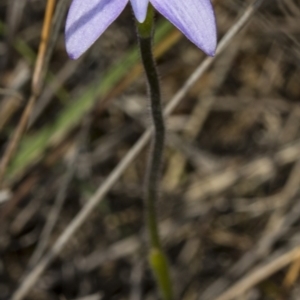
[260,274]
[35,90]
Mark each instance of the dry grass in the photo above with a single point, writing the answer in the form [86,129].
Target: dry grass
[230,204]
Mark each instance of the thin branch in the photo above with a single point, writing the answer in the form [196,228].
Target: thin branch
[36,84]
[260,274]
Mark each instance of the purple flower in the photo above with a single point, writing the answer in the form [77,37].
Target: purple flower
[88,19]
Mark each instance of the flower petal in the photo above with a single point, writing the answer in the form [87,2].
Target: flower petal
[195,18]
[87,20]
[140,9]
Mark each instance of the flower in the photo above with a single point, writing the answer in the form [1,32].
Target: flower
[88,19]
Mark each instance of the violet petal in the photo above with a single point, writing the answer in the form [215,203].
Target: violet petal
[140,9]
[194,18]
[87,20]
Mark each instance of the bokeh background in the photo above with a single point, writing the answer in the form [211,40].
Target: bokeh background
[230,197]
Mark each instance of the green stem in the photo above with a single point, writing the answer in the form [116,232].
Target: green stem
[157,258]
[151,193]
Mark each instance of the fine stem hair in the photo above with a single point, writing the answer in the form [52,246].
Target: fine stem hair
[157,259]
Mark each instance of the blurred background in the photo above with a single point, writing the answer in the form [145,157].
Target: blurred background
[230,197]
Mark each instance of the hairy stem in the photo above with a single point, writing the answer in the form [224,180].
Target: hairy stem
[157,258]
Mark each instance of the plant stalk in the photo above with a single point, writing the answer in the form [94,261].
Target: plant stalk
[157,258]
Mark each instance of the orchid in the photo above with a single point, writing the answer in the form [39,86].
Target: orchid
[88,19]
